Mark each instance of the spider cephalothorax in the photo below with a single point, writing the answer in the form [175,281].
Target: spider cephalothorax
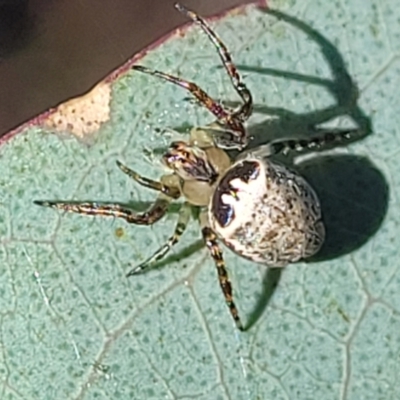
[259,208]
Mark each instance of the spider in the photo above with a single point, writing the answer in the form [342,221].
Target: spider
[260,209]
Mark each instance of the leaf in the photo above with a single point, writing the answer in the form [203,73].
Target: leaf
[72,325]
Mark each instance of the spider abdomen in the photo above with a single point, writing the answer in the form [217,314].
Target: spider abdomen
[266,213]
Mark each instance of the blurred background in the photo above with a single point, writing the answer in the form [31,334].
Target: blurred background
[52,50]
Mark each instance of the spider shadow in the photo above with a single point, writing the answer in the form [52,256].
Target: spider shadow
[269,284]
[353,192]
[354,198]
[354,201]
[342,88]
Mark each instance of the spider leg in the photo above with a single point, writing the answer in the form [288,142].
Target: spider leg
[230,127]
[168,185]
[244,112]
[183,219]
[231,133]
[212,105]
[152,215]
[322,141]
[210,240]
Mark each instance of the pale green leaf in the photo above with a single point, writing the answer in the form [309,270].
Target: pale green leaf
[74,327]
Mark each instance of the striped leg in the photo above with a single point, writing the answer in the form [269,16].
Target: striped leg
[169,184]
[183,219]
[246,109]
[211,242]
[204,99]
[231,133]
[322,141]
[230,122]
[152,215]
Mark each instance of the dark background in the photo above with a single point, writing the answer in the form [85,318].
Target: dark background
[51,50]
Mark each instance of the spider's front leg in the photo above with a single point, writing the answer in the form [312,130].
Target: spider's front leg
[210,239]
[246,109]
[166,187]
[116,210]
[229,130]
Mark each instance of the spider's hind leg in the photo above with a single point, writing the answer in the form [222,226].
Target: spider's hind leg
[323,140]
[183,219]
[210,239]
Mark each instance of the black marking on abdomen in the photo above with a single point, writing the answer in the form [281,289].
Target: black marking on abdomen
[245,171]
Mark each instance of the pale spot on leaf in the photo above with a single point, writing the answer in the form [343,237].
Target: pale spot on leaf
[84,115]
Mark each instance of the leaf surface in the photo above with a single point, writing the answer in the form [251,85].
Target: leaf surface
[73,326]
